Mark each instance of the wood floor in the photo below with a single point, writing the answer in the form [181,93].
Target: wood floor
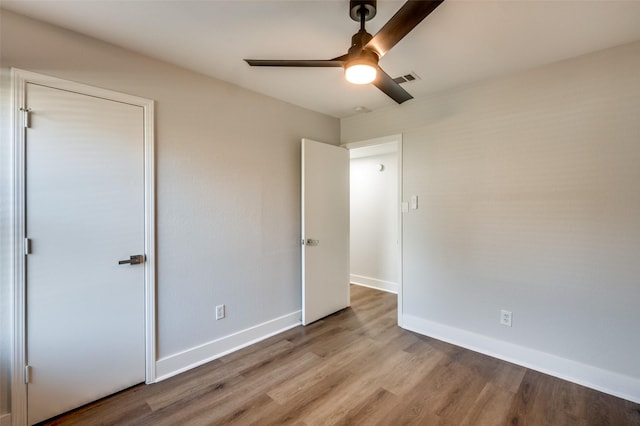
[357,367]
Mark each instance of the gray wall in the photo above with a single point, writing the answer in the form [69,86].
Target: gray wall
[374,219]
[529,201]
[228,191]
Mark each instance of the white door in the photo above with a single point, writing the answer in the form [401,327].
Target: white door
[325,230]
[84,213]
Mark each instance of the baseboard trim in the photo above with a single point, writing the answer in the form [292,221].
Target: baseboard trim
[5,419]
[194,357]
[586,375]
[374,283]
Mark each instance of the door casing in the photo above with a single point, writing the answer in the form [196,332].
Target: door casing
[20,78]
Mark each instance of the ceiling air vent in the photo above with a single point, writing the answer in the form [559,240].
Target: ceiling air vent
[407,78]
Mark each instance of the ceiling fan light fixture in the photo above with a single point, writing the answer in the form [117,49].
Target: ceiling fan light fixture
[360,73]
[362,68]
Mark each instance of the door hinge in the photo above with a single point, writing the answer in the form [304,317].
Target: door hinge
[27,117]
[27,374]
[27,246]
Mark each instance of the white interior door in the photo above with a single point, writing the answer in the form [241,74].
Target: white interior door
[325,230]
[85,335]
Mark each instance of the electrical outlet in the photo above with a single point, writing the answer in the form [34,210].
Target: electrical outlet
[219,312]
[505,317]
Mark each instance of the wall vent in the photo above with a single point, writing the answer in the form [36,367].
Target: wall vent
[407,78]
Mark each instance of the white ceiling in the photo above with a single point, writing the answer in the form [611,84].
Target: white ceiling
[461,42]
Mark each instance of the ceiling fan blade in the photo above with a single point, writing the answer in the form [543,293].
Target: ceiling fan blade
[401,24]
[344,58]
[392,89]
[295,63]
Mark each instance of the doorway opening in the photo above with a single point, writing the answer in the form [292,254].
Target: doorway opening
[375,216]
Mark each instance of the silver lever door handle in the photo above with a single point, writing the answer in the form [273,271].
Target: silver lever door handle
[133,260]
[311,242]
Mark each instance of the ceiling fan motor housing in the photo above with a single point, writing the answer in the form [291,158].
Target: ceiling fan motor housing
[369,9]
[360,40]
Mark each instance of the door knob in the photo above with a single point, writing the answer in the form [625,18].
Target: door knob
[133,260]
[311,242]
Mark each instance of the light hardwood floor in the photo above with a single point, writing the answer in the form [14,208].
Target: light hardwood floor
[357,367]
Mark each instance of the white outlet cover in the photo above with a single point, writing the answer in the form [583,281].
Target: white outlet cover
[220,312]
[506,317]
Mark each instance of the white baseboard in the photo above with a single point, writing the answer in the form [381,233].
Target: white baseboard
[387,286]
[5,419]
[191,358]
[586,375]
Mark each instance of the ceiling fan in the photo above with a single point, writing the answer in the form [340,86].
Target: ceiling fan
[360,63]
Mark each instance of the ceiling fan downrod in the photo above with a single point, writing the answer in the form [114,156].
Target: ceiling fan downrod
[362,11]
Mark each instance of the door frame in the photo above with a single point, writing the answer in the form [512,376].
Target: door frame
[20,78]
[378,141]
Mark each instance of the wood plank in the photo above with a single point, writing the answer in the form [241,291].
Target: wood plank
[364,377]
[377,405]
[490,408]
[209,409]
[302,383]
[404,379]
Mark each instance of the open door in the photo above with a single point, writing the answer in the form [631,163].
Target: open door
[325,230]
